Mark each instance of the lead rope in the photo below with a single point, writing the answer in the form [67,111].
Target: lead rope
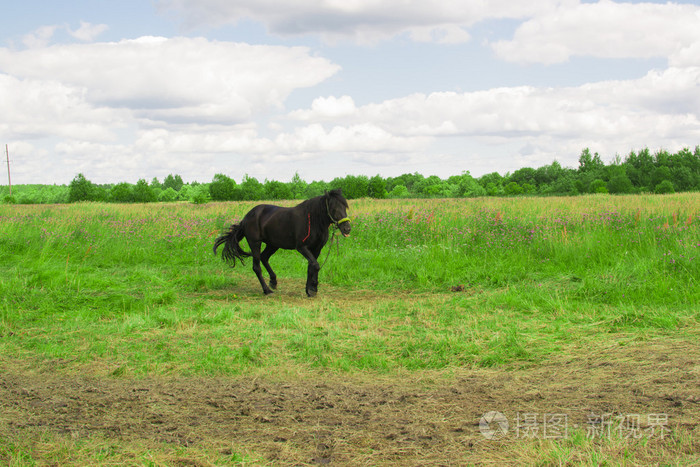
[336,226]
[330,247]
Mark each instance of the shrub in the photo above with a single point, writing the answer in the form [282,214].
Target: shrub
[513,189]
[598,186]
[620,184]
[664,187]
[399,191]
[121,193]
[143,192]
[168,195]
[199,194]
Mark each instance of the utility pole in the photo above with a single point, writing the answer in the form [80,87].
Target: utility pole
[9,179]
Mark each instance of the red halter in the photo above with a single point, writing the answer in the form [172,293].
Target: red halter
[309,232]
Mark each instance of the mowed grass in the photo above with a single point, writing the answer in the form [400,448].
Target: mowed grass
[420,284]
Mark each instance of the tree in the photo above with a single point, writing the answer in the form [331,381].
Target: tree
[466,185]
[664,187]
[430,187]
[683,178]
[590,168]
[199,194]
[619,181]
[493,183]
[277,190]
[316,188]
[588,163]
[251,189]
[167,196]
[564,185]
[598,186]
[184,193]
[399,191]
[222,188]
[659,174]
[297,186]
[81,189]
[353,186]
[121,193]
[513,189]
[639,168]
[173,181]
[492,189]
[662,158]
[377,187]
[529,189]
[523,176]
[547,174]
[143,192]
[407,180]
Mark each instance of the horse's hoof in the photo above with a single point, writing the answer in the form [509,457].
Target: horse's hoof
[268,291]
[311,293]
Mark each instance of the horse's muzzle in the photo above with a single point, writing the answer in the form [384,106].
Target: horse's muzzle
[344,227]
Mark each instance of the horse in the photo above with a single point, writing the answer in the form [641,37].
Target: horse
[303,228]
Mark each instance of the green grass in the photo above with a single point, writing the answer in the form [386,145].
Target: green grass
[55,450]
[136,290]
[421,289]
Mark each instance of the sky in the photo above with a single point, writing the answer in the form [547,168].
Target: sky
[135,89]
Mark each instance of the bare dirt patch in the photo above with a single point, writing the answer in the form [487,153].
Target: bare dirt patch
[322,419]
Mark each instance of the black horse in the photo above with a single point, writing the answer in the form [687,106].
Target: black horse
[303,228]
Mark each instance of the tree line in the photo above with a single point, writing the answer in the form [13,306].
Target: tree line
[639,172]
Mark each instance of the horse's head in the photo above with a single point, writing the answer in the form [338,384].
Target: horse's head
[337,207]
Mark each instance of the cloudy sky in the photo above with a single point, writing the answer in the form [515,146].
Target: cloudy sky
[130,89]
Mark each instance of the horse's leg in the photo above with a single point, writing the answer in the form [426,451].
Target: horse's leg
[312,270]
[255,252]
[265,258]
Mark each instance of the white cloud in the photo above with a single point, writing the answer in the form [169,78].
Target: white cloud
[357,138]
[149,102]
[603,29]
[601,108]
[42,36]
[87,32]
[327,108]
[39,37]
[35,108]
[663,107]
[170,80]
[449,34]
[150,106]
[360,20]
[686,56]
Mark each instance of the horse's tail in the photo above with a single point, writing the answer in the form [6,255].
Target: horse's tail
[232,248]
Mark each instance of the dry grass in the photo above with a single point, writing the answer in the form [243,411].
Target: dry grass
[318,418]
[303,415]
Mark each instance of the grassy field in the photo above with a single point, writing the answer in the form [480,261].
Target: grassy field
[124,340]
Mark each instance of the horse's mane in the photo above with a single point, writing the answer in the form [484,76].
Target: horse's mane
[318,209]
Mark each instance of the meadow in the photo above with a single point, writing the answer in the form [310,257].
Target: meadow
[124,340]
